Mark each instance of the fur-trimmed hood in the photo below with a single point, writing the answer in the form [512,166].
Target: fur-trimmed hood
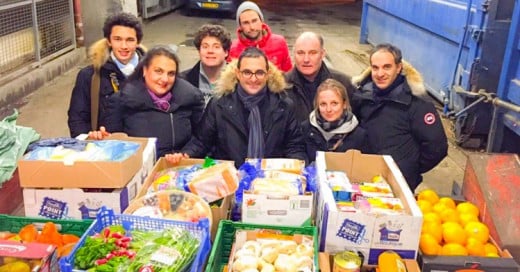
[99,52]
[227,82]
[413,79]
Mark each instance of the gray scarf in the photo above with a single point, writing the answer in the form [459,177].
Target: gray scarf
[255,146]
[345,128]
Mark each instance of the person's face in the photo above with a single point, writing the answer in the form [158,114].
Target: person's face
[250,24]
[330,105]
[308,57]
[123,41]
[252,75]
[384,69]
[159,75]
[211,52]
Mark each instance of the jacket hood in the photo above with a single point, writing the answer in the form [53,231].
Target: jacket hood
[99,52]
[412,76]
[266,35]
[227,82]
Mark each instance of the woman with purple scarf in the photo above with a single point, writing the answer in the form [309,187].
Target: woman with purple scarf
[155,103]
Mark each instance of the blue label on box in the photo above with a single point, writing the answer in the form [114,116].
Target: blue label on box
[390,235]
[352,231]
[53,208]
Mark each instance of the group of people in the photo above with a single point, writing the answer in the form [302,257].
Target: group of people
[244,98]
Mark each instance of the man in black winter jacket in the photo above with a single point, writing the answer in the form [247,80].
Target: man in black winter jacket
[113,59]
[309,72]
[399,120]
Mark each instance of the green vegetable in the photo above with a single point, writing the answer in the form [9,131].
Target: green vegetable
[94,248]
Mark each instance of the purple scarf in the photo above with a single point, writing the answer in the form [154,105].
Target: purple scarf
[161,102]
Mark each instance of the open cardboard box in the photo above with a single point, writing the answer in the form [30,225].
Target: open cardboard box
[219,211]
[369,234]
[83,174]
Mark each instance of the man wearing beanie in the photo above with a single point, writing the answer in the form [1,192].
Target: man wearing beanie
[252,31]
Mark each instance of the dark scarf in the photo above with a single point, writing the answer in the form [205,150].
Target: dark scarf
[309,88]
[161,102]
[255,146]
[328,126]
[379,93]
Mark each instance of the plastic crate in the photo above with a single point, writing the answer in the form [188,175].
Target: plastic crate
[15,223]
[106,217]
[221,250]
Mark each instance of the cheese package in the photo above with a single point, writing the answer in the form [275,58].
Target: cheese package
[215,182]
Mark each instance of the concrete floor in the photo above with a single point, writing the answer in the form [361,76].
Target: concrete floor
[46,109]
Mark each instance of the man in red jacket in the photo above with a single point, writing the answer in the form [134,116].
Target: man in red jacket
[252,31]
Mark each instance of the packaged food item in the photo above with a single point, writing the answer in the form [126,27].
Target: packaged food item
[379,205]
[369,189]
[273,186]
[287,165]
[215,182]
[340,185]
[275,174]
[347,261]
[173,178]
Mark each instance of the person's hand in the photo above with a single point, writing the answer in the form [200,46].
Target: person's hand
[175,158]
[98,134]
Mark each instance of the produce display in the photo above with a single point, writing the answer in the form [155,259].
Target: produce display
[452,228]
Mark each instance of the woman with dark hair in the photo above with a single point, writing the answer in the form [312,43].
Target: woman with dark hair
[332,126]
[155,103]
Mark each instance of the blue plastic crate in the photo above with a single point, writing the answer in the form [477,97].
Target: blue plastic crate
[106,217]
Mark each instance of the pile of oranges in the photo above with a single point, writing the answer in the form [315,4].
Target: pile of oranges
[452,229]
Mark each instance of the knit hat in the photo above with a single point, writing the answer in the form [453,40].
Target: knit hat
[248,5]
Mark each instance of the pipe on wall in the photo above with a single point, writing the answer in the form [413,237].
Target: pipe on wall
[78,24]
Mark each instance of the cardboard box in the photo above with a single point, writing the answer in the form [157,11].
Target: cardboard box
[275,210]
[369,234]
[80,203]
[11,196]
[39,257]
[327,261]
[219,212]
[82,174]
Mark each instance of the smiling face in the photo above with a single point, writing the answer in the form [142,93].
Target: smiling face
[211,52]
[251,24]
[308,56]
[159,75]
[252,74]
[384,69]
[123,41]
[330,105]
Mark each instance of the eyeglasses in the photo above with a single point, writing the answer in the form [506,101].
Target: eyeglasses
[260,74]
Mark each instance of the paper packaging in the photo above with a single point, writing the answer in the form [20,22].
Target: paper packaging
[82,174]
[76,203]
[34,254]
[218,212]
[368,234]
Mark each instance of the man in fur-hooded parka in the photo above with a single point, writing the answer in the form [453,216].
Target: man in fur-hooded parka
[114,58]
[224,128]
[399,121]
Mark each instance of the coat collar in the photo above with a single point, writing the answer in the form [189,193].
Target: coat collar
[99,53]
[228,81]
[413,79]
[294,77]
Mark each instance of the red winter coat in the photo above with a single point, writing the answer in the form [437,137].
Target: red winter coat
[273,45]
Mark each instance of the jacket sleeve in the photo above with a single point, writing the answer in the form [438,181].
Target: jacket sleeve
[286,63]
[204,134]
[294,140]
[79,107]
[198,109]
[427,129]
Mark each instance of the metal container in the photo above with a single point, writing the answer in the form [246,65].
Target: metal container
[347,261]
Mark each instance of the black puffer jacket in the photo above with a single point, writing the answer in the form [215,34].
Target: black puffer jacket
[111,79]
[403,124]
[223,128]
[173,128]
[296,91]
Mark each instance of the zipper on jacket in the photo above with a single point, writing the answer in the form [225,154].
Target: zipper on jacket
[173,132]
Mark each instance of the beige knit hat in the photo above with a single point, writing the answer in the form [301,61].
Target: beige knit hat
[248,5]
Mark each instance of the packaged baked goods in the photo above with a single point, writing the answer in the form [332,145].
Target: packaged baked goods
[215,182]
[273,186]
[281,164]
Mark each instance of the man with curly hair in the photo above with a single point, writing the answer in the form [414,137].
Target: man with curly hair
[213,43]
[113,58]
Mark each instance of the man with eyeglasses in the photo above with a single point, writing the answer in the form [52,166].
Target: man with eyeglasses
[213,43]
[253,31]
[248,117]
[309,72]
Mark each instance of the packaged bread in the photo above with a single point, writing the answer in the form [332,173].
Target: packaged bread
[215,182]
[272,186]
[275,174]
[287,165]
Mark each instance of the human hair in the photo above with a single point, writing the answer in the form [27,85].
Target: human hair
[392,49]
[253,52]
[310,34]
[333,85]
[158,50]
[123,19]
[217,31]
